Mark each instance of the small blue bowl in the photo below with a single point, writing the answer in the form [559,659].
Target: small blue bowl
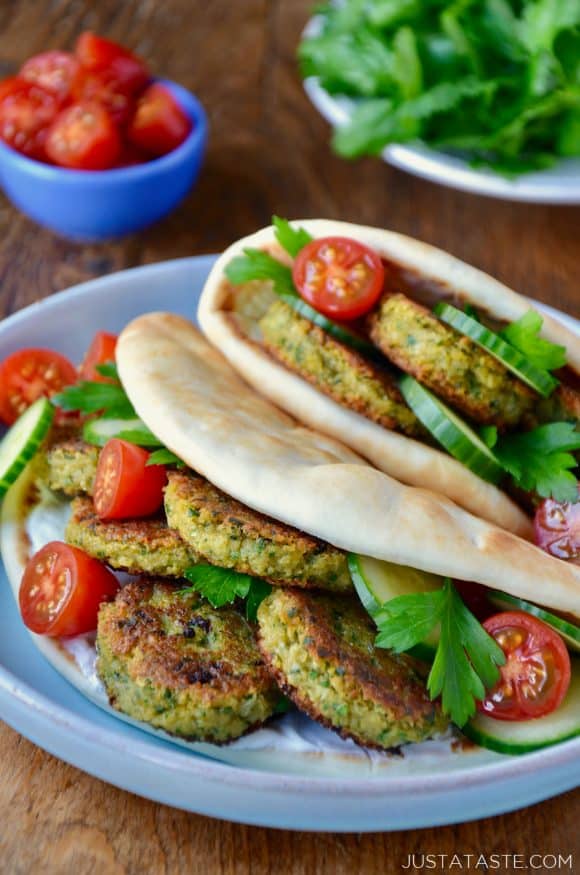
[90,205]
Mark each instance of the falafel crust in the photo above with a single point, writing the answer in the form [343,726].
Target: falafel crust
[335,369]
[72,466]
[171,660]
[321,651]
[231,535]
[138,546]
[450,364]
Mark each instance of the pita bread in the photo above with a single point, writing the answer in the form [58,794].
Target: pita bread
[195,403]
[229,318]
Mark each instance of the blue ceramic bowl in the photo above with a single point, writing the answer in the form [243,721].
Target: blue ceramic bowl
[89,205]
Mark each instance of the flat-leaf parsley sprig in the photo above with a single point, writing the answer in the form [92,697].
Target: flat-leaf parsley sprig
[467,658]
[223,586]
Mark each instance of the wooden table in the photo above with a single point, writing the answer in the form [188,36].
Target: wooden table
[269,153]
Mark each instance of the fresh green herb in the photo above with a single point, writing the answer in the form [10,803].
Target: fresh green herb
[257,265]
[541,460]
[488,434]
[108,369]
[283,706]
[142,437]
[470,310]
[495,79]
[525,336]
[467,658]
[163,456]
[92,397]
[291,239]
[222,586]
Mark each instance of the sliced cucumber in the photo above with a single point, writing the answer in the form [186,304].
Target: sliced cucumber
[339,332]
[523,737]
[22,441]
[458,438]
[542,381]
[377,582]
[568,631]
[134,430]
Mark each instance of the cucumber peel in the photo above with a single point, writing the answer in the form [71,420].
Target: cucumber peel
[515,361]
[567,630]
[455,435]
[339,332]
[22,441]
[99,431]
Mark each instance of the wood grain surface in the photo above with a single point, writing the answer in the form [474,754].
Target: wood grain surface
[269,153]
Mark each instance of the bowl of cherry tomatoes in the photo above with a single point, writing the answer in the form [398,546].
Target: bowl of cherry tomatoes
[92,146]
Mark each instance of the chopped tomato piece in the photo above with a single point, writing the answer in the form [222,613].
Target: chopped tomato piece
[125,486]
[104,89]
[339,277]
[83,137]
[26,110]
[100,352]
[159,124]
[53,71]
[62,589]
[28,375]
[536,674]
[98,55]
[557,528]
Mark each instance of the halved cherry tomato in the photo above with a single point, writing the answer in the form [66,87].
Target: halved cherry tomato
[98,54]
[28,375]
[26,110]
[100,352]
[536,675]
[340,277]
[83,137]
[62,589]
[557,528]
[125,486]
[159,124]
[54,71]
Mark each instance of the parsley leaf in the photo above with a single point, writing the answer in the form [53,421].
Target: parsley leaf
[488,434]
[108,369]
[540,460]
[257,265]
[525,336]
[163,456]
[467,658]
[92,397]
[222,586]
[291,239]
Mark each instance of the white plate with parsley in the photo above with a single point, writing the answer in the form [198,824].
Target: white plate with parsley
[291,774]
[479,96]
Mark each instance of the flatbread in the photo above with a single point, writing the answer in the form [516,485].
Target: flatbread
[188,394]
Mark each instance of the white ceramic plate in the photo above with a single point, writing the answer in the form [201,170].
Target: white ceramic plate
[319,783]
[559,184]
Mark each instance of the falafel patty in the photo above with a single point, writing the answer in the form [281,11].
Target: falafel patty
[338,371]
[138,546]
[227,533]
[321,651]
[171,660]
[72,466]
[449,363]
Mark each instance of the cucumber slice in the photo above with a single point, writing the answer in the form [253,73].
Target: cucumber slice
[542,381]
[568,631]
[377,582]
[523,737]
[458,438]
[134,430]
[22,441]
[339,332]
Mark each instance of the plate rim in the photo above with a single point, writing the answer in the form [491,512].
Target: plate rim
[67,722]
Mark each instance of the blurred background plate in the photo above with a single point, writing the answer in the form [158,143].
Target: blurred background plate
[559,184]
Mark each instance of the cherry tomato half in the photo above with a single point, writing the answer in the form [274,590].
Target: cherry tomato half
[100,352]
[98,54]
[557,528]
[341,278]
[536,675]
[62,589]
[28,375]
[83,137]
[53,71]
[159,124]
[26,110]
[125,486]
